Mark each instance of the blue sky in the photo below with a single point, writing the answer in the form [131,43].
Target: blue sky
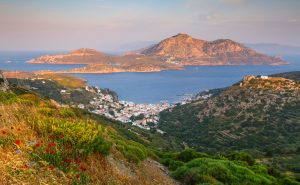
[110,25]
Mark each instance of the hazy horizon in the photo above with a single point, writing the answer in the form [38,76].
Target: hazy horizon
[114,25]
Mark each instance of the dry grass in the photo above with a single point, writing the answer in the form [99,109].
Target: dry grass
[65,80]
[17,167]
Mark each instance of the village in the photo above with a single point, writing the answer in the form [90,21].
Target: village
[144,116]
[140,115]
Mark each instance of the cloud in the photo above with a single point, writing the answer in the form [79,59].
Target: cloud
[235,2]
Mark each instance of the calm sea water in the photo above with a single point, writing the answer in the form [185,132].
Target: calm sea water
[14,60]
[158,86]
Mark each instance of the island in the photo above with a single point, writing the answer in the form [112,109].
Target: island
[173,53]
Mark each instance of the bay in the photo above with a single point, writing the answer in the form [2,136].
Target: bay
[157,86]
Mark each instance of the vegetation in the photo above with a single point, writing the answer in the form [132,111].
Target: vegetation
[236,168]
[261,118]
[42,142]
[64,80]
[52,89]
[243,135]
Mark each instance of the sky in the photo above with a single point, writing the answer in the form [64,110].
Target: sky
[113,25]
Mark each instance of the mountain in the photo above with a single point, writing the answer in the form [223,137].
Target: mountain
[191,51]
[275,49]
[170,54]
[259,114]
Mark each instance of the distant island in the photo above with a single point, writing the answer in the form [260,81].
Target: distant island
[170,54]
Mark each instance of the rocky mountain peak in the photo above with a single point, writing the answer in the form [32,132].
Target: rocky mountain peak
[178,46]
[85,51]
[182,35]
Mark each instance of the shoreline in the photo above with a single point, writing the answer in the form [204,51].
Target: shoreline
[182,67]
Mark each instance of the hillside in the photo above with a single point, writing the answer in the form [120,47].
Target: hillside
[47,144]
[260,115]
[184,49]
[44,143]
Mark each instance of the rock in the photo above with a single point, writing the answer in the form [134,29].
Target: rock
[4,85]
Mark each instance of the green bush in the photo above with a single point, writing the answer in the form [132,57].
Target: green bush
[172,164]
[85,135]
[206,170]
[132,151]
[242,156]
[188,155]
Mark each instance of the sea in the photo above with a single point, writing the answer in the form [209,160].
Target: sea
[153,87]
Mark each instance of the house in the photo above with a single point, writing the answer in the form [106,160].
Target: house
[264,77]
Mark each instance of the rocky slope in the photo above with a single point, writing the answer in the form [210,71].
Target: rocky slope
[259,114]
[187,50]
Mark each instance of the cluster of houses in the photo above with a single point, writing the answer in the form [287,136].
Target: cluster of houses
[140,115]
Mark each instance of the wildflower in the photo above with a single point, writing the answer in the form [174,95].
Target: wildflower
[51,151]
[69,160]
[77,161]
[52,137]
[17,142]
[53,144]
[60,135]
[68,147]
[51,167]
[18,129]
[82,168]
[47,150]
[4,132]
[37,145]
[49,144]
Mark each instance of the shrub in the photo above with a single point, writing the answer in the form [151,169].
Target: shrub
[132,151]
[85,135]
[172,164]
[242,156]
[66,112]
[206,170]
[47,111]
[188,155]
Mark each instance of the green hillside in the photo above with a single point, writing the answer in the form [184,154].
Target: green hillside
[42,142]
[261,116]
